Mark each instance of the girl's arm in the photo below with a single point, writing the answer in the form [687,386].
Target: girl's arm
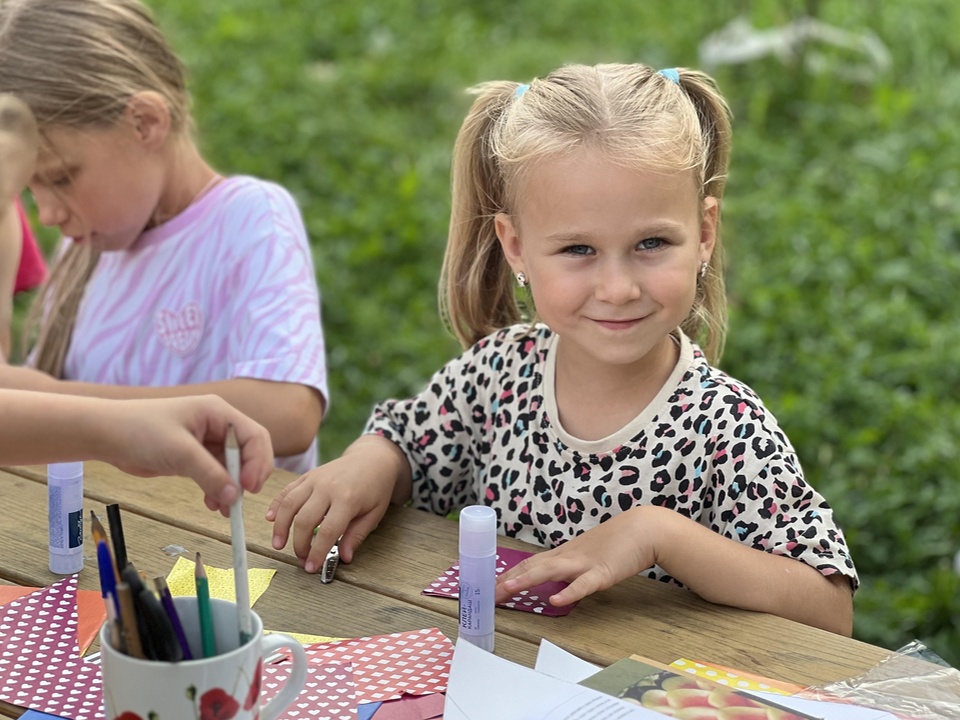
[289,411]
[145,437]
[10,244]
[718,569]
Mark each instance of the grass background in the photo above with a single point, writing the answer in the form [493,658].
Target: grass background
[841,221]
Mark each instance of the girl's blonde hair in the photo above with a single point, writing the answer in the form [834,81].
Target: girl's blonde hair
[636,116]
[76,64]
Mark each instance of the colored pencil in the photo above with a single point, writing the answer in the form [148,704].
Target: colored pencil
[207,636]
[116,533]
[238,540]
[128,621]
[100,535]
[166,599]
[108,578]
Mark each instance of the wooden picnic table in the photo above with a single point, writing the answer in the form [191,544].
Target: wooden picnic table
[380,592]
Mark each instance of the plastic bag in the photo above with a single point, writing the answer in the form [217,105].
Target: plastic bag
[913,683]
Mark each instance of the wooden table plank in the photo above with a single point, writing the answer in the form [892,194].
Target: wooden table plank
[411,548]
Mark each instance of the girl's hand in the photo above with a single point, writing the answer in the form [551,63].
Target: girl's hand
[343,500]
[185,437]
[595,560]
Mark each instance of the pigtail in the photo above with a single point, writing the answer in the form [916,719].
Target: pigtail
[708,317]
[476,288]
[54,312]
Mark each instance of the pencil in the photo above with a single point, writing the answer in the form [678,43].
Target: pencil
[238,540]
[166,599]
[100,535]
[207,637]
[116,533]
[128,621]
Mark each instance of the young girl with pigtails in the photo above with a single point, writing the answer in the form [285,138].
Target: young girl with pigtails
[601,429]
[173,280]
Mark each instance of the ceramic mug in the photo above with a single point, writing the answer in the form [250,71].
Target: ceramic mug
[226,684]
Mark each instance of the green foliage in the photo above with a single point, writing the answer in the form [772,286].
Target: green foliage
[841,220]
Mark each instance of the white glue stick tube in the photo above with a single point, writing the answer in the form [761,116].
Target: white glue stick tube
[478,574]
[65,516]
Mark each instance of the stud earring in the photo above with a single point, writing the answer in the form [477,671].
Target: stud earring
[703,268]
[521,279]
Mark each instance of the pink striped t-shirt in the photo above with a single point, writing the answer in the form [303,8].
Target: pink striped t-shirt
[225,289]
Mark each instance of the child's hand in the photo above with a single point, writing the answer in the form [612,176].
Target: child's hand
[185,437]
[595,560]
[344,499]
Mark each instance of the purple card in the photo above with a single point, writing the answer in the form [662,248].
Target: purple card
[535,600]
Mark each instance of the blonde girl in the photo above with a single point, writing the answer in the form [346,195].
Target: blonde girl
[172,279]
[599,430]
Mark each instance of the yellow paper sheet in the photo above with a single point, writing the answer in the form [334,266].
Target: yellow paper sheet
[306,639]
[182,582]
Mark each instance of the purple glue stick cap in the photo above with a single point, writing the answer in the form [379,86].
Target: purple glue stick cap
[478,531]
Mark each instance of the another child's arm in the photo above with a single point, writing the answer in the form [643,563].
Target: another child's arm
[10,242]
[346,498]
[419,447]
[716,568]
[289,411]
[181,437]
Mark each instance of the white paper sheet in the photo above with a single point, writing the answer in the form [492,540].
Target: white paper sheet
[483,686]
[558,663]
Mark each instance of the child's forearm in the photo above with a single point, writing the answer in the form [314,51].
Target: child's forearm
[729,573]
[42,427]
[289,411]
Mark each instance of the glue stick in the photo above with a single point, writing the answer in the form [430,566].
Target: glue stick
[65,516]
[478,574]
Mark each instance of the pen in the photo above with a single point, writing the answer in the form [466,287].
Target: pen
[166,599]
[108,579]
[207,637]
[128,621]
[163,639]
[116,532]
[131,578]
[238,540]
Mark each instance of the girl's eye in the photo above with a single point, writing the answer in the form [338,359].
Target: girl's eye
[60,181]
[578,250]
[654,243]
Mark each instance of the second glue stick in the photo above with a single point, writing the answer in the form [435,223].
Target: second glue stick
[65,515]
[478,574]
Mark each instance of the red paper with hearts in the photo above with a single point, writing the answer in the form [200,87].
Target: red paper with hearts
[535,600]
[387,666]
[329,691]
[40,663]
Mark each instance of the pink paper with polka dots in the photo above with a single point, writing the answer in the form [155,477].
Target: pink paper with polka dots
[40,663]
[535,600]
[328,692]
[387,666]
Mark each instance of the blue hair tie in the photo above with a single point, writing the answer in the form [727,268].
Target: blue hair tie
[521,89]
[670,74]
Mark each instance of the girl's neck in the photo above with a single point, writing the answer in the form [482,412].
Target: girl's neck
[595,401]
[189,178]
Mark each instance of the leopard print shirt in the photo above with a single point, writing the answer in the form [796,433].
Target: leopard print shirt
[485,430]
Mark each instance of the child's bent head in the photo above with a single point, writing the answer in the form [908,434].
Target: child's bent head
[77,63]
[673,123]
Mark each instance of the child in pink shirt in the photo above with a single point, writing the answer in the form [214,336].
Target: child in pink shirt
[21,264]
[172,279]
